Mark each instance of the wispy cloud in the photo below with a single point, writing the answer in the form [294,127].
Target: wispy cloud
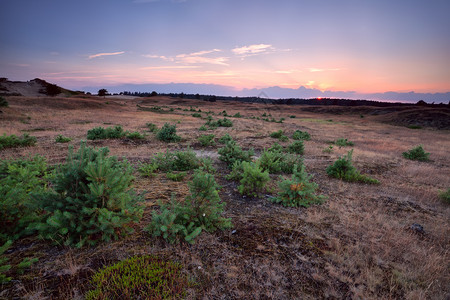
[105,54]
[169,67]
[200,57]
[20,65]
[252,49]
[313,70]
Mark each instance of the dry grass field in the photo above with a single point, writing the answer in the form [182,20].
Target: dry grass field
[358,244]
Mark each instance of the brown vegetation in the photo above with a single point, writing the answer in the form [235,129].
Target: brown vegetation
[358,244]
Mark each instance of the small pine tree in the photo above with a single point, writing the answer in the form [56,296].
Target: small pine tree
[298,191]
[253,179]
[344,169]
[168,133]
[233,152]
[417,153]
[92,199]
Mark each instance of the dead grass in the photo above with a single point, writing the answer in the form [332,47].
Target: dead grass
[357,245]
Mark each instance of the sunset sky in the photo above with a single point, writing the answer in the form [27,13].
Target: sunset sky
[337,45]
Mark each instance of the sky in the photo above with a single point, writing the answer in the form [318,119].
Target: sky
[356,46]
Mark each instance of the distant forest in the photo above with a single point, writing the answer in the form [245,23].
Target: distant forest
[290,101]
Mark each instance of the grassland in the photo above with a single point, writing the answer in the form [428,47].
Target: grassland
[358,244]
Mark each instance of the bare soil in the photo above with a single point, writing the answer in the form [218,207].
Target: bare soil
[357,245]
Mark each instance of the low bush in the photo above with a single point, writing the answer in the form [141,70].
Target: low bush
[237,115]
[276,162]
[207,140]
[225,138]
[224,122]
[236,171]
[201,210]
[343,142]
[277,134]
[296,147]
[135,135]
[168,133]
[301,135]
[253,179]
[344,169]
[445,196]
[148,170]
[232,152]
[197,115]
[139,277]
[62,139]
[417,153]
[18,180]
[12,141]
[92,199]
[328,149]
[203,128]
[298,190]
[100,133]
[276,148]
[176,176]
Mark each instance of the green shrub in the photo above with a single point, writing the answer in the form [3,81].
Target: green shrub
[92,199]
[148,170]
[445,196]
[276,162]
[344,169]
[135,135]
[18,179]
[232,152]
[207,139]
[292,116]
[253,179]
[197,115]
[417,153]
[301,135]
[176,161]
[100,133]
[201,210]
[298,191]
[139,277]
[62,139]
[276,148]
[168,133]
[203,128]
[236,171]
[237,115]
[3,102]
[296,147]
[225,138]
[176,176]
[12,141]
[343,142]
[152,127]
[224,122]
[277,134]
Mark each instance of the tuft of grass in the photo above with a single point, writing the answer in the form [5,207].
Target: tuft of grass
[135,135]
[279,135]
[176,176]
[417,153]
[445,196]
[152,127]
[62,139]
[141,277]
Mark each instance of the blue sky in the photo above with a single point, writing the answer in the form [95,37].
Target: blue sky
[329,45]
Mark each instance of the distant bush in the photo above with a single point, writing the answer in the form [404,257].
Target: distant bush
[207,139]
[301,135]
[3,102]
[100,133]
[92,199]
[328,149]
[236,171]
[445,196]
[343,142]
[181,161]
[298,191]
[12,141]
[253,179]
[147,170]
[292,116]
[168,133]
[232,152]
[18,180]
[296,147]
[417,153]
[141,277]
[279,135]
[62,139]
[344,169]
[225,138]
[176,176]
[203,128]
[201,210]
[224,122]
[276,148]
[237,115]
[197,115]
[152,127]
